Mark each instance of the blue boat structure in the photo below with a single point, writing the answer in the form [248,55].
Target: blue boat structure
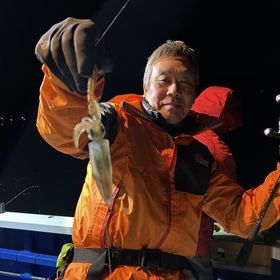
[30,244]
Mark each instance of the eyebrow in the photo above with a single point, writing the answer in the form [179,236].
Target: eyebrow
[164,70]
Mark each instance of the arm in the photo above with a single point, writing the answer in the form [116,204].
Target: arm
[70,56]
[238,210]
[60,110]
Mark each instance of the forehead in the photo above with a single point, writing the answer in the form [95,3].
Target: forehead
[170,65]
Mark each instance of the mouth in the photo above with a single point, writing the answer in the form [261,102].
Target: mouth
[173,104]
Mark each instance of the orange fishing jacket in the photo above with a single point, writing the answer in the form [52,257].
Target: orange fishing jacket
[146,210]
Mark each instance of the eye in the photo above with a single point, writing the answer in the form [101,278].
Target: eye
[186,85]
[163,80]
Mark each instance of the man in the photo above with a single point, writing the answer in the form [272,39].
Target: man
[163,178]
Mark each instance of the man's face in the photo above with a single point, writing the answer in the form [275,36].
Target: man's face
[171,89]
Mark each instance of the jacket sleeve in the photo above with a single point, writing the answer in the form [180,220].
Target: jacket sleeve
[59,112]
[238,210]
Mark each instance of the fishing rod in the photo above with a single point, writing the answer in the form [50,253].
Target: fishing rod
[247,247]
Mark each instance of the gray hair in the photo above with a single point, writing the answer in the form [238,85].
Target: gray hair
[172,49]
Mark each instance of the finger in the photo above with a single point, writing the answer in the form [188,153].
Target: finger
[71,58]
[84,41]
[43,50]
[58,44]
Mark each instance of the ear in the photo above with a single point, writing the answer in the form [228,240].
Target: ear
[145,89]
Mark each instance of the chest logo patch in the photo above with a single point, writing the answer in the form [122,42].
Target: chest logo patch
[199,159]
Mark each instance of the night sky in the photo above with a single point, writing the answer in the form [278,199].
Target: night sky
[237,45]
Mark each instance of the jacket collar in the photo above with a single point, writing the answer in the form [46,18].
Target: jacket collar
[193,124]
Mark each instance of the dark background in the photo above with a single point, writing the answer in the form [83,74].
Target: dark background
[238,47]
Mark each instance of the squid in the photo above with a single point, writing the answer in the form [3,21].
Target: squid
[98,146]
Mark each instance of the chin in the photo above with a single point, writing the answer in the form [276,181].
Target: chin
[174,121]
[173,116]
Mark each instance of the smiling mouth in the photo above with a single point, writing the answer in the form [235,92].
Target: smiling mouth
[174,102]
[173,105]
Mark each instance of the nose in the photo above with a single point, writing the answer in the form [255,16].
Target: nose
[173,89]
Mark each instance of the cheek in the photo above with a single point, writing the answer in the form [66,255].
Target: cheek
[189,100]
[154,97]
